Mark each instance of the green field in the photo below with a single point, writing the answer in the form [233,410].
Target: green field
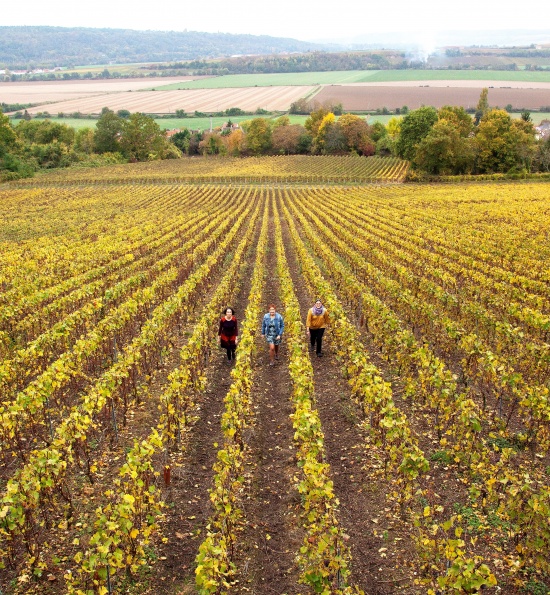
[74,122]
[355,76]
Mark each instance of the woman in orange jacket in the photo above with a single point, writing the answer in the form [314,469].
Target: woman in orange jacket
[316,323]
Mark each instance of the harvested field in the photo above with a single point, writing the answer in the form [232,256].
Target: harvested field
[474,84]
[49,91]
[358,98]
[205,100]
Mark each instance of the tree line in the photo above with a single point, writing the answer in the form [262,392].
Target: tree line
[33,145]
[28,47]
[437,142]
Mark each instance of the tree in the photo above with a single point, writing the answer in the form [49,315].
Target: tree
[44,132]
[286,139]
[459,117]
[393,127]
[357,133]
[8,138]
[258,136]
[322,131]
[212,144]
[282,121]
[377,131]
[85,140]
[482,105]
[414,127]
[334,140]
[543,156]
[142,138]
[314,121]
[444,150]
[108,132]
[181,140]
[234,142]
[503,144]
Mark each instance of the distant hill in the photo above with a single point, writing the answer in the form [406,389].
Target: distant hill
[31,47]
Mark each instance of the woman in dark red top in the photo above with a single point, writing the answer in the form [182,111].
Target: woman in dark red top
[227,333]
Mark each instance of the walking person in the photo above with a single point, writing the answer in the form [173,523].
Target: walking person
[228,333]
[316,323]
[273,327]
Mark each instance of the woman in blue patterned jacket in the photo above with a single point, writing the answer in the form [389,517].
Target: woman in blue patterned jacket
[273,327]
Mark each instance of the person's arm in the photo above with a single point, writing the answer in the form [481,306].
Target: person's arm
[308,320]
[263,327]
[220,331]
[282,329]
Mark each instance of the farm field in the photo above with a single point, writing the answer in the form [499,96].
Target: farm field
[358,76]
[42,92]
[412,458]
[205,100]
[366,97]
[358,90]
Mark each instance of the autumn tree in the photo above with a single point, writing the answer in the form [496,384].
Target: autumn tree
[357,134]
[85,140]
[444,151]
[142,139]
[447,148]
[502,143]
[314,120]
[212,144]
[234,142]
[258,136]
[287,139]
[281,121]
[8,138]
[323,129]
[482,105]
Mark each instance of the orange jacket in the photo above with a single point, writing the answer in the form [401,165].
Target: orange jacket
[314,321]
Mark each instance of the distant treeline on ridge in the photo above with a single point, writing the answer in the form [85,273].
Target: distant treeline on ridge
[30,47]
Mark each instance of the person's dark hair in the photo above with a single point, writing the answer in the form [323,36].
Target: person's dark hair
[228,308]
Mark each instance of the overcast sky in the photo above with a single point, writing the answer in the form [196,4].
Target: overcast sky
[286,18]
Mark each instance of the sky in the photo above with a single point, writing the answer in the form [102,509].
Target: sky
[344,19]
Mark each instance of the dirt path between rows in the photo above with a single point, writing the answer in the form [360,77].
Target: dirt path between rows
[364,514]
[187,498]
[272,536]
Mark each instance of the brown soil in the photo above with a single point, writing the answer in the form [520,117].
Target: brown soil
[359,98]
[271,536]
[187,497]
[382,554]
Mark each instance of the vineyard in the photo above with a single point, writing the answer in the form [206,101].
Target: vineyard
[413,458]
[294,168]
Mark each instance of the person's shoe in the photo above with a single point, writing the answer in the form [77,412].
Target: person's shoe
[311,347]
[320,354]
[271,363]
[277,357]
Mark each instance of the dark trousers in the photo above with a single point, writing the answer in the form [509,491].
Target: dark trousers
[316,337]
[231,353]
